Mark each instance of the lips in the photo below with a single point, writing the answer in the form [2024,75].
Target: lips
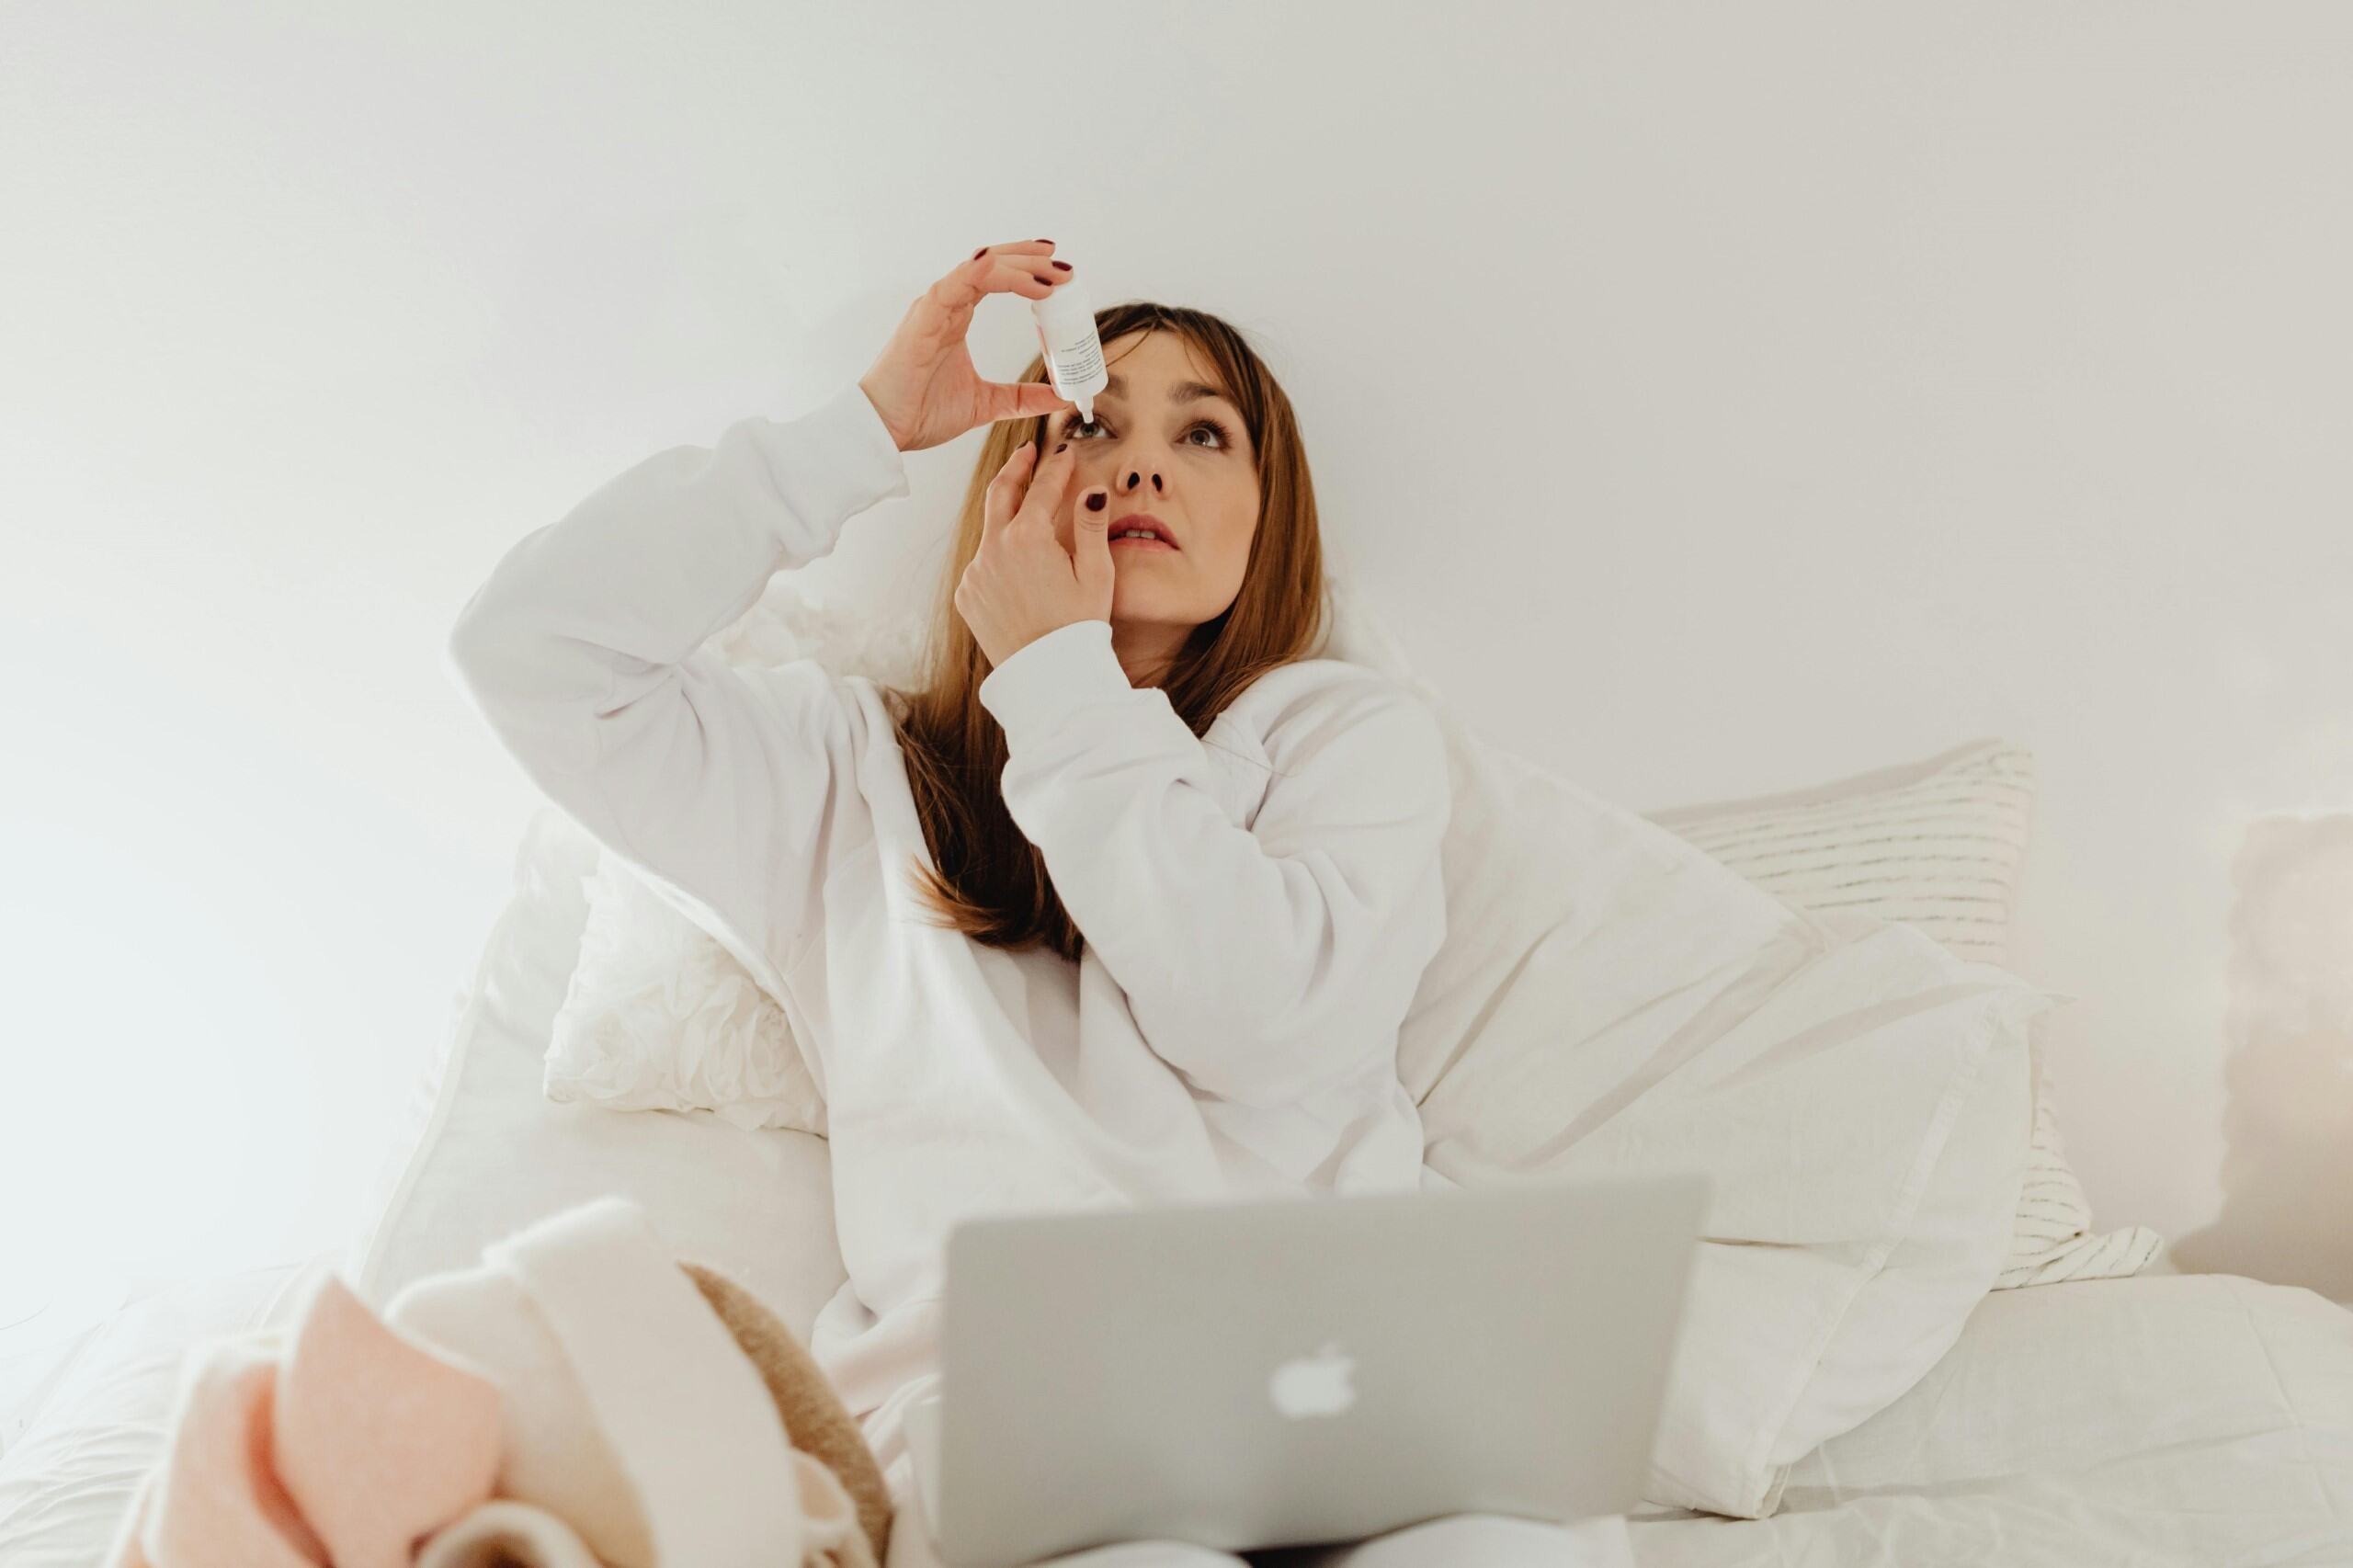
[1142,521]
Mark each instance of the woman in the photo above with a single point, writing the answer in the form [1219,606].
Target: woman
[1123,903]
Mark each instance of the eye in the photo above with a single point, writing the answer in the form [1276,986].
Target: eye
[1085,428]
[1224,438]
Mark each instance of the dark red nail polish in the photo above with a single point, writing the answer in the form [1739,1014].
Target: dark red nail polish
[1095,502]
[1063,265]
[1062,447]
[1045,242]
[979,253]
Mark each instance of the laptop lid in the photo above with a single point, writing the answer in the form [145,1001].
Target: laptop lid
[1289,1370]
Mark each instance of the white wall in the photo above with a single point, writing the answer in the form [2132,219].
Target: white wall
[1718,398]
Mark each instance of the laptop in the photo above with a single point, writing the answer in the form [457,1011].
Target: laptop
[1291,1371]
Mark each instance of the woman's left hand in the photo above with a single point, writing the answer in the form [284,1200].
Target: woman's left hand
[1023,583]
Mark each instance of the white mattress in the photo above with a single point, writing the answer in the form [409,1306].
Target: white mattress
[2189,1419]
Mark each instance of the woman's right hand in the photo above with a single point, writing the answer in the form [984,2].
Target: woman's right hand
[923,384]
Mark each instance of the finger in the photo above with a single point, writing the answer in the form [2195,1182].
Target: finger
[957,296]
[1090,549]
[1047,488]
[1017,247]
[1022,399]
[1023,267]
[1032,277]
[968,285]
[1005,492]
[1007,488]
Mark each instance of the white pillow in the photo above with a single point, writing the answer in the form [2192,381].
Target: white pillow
[1940,844]
[1622,1004]
[659,1017]
[1611,999]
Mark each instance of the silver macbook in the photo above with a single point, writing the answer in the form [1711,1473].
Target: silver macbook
[1290,1371]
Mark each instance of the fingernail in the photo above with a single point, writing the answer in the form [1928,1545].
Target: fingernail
[1095,500]
[1063,265]
[1063,447]
[979,253]
[1044,241]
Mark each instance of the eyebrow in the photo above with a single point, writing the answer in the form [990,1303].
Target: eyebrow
[1183,391]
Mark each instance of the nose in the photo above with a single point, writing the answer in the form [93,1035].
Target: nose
[1134,473]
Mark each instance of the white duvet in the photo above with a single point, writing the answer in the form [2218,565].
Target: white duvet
[2161,1419]
[2164,1421]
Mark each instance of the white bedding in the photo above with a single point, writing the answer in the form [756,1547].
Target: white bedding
[2198,1418]
[497,1153]
[2164,1419]
[2159,1419]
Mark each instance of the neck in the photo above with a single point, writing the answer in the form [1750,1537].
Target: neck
[1146,651]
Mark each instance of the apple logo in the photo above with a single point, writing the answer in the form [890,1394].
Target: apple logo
[1314,1385]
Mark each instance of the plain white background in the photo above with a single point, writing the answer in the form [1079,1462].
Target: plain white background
[1717,400]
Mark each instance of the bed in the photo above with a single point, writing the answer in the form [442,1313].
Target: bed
[2158,1418]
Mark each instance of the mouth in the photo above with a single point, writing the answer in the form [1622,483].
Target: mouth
[1163,538]
[1134,541]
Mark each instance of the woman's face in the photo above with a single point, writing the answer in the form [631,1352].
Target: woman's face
[1167,442]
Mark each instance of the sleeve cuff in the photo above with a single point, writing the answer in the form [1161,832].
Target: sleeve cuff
[1069,667]
[836,461]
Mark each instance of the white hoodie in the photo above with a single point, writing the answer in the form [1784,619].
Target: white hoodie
[1258,904]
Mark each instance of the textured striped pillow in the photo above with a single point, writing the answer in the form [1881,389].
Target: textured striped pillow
[1938,845]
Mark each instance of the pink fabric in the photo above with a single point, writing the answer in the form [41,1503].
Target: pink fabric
[354,1451]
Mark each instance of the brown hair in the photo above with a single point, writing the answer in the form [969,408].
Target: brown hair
[991,882]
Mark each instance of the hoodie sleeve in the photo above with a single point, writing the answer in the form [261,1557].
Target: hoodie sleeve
[584,652]
[1264,962]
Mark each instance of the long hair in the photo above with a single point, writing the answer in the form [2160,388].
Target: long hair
[990,882]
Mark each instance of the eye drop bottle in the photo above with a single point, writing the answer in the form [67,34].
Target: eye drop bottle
[1066,338]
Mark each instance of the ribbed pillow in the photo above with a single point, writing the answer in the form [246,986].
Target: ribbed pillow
[1938,845]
